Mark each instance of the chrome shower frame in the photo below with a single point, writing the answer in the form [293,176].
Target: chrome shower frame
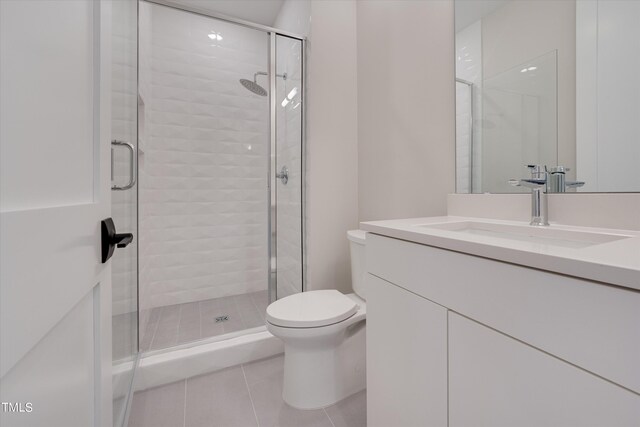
[271,181]
[262,73]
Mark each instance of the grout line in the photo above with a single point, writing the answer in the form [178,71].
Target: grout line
[251,310]
[179,323]
[200,320]
[255,414]
[184,412]
[155,329]
[178,309]
[327,414]
[260,313]
[235,303]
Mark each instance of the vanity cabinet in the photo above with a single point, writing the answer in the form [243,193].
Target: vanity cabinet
[408,353]
[523,346]
[495,380]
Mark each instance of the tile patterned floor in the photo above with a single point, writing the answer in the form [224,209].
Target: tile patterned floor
[177,324]
[123,329]
[248,395]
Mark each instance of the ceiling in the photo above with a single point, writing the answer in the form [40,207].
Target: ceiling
[469,11]
[258,11]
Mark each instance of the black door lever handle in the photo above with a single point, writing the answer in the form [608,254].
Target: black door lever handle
[123,239]
[111,239]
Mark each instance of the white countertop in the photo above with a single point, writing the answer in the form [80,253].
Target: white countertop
[616,262]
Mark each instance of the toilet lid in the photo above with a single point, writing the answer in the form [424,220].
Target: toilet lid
[311,309]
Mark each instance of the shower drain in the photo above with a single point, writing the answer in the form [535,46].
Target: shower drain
[222,318]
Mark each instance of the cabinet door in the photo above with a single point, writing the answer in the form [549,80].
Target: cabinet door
[406,358]
[495,381]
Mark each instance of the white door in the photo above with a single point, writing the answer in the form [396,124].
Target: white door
[55,296]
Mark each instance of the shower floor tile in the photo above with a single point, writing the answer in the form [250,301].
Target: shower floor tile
[123,327]
[248,395]
[180,323]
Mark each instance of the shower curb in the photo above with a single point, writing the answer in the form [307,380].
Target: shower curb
[164,368]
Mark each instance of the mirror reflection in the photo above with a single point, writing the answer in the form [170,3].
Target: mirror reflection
[550,83]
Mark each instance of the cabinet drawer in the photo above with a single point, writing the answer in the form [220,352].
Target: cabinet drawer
[591,325]
[497,381]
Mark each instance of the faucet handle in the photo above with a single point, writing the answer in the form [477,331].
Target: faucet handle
[538,171]
[574,184]
[529,183]
[559,169]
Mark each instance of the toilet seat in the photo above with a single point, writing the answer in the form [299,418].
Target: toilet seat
[311,309]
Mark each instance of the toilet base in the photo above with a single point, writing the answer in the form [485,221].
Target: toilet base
[323,373]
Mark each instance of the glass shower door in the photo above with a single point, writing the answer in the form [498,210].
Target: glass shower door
[289,166]
[124,202]
[204,168]
[220,114]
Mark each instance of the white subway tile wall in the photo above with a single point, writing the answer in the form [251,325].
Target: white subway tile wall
[203,174]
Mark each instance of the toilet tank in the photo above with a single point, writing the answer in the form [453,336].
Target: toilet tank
[356,243]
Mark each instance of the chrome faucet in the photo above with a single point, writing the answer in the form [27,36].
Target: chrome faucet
[538,185]
[543,181]
[557,183]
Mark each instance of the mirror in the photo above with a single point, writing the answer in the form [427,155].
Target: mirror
[549,83]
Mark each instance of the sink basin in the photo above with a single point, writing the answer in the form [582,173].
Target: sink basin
[544,235]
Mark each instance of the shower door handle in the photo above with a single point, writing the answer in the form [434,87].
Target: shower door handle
[132,165]
[111,239]
[283,175]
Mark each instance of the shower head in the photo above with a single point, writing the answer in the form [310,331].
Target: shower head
[253,87]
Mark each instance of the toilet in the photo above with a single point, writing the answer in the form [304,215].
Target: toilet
[324,338]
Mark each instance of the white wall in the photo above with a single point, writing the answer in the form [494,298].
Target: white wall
[332,153]
[405,108]
[606,210]
[204,166]
[608,95]
[295,16]
[380,119]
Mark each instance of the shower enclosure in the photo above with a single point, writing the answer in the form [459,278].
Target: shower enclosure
[220,174]
[124,203]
